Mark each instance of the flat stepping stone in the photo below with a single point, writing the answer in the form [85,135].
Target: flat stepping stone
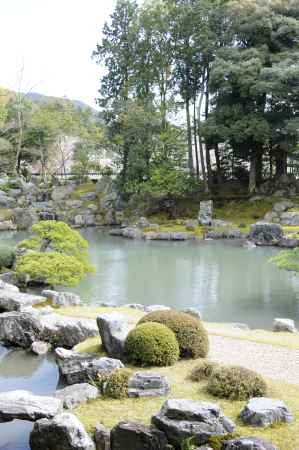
[11,300]
[148,384]
[77,394]
[248,443]
[263,412]
[24,405]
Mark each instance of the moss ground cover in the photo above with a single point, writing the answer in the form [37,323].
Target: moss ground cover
[111,411]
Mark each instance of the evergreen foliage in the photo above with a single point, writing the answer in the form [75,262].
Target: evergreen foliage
[56,255]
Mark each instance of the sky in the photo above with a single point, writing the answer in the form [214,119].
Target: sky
[51,42]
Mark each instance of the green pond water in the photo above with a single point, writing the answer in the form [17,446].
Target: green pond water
[224,280]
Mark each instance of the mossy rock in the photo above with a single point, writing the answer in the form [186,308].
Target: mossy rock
[151,344]
[190,333]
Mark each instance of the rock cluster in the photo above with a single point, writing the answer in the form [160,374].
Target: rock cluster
[24,204]
[82,367]
[23,328]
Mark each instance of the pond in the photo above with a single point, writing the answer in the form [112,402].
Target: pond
[224,280]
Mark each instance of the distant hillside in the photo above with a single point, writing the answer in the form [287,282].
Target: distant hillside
[36,97]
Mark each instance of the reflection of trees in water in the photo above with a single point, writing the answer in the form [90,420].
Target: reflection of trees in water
[19,364]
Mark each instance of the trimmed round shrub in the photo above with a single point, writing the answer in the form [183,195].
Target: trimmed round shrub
[116,385]
[203,370]
[151,344]
[7,258]
[236,383]
[190,333]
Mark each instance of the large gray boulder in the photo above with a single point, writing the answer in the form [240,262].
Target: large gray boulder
[82,367]
[40,348]
[12,300]
[62,331]
[183,419]
[62,192]
[148,384]
[64,432]
[24,218]
[282,206]
[284,325]
[248,443]
[263,412]
[265,234]
[134,436]
[205,216]
[168,236]
[20,328]
[290,218]
[102,437]
[6,201]
[62,299]
[77,394]
[26,406]
[7,286]
[114,329]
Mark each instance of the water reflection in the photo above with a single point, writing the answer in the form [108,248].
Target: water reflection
[21,370]
[226,281]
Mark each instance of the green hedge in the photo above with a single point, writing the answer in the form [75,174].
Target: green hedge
[151,344]
[190,333]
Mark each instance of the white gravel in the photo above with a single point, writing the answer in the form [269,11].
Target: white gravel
[278,363]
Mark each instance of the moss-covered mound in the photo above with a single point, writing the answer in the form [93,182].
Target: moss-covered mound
[151,344]
[203,370]
[116,385]
[190,332]
[236,383]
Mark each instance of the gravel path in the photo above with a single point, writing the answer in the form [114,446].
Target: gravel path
[273,362]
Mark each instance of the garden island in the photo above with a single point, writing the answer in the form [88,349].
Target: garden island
[149,245]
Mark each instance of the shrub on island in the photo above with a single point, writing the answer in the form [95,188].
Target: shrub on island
[115,384]
[7,258]
[151,344]
[236,383]
[203,370]
[55,255]
[190,333]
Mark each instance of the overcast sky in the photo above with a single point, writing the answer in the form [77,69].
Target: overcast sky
[53,41]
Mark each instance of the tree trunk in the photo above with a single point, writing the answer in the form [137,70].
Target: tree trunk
[195,139]
[189,136]
[281,163]
[209,167]
[208,156]
[218,163]
[259,169]
[252,175]
[202,159]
